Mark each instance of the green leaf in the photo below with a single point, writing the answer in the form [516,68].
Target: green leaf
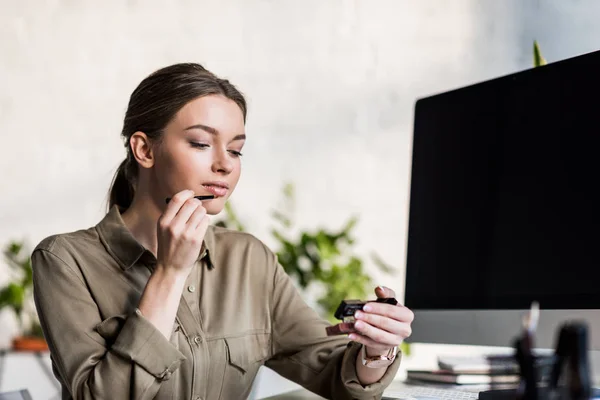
[347,281]
[538,59]
[18,291]
[382,265]
[350,224]
[12,296]
[12,254]
[36,330]
[230,220]
[5,297]
[288,191]
[14,248]
[281,218]
[233,218]
[405,348]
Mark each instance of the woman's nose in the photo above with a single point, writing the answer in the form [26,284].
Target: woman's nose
[222,162]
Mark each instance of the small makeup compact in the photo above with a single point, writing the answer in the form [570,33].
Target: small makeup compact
[345,313]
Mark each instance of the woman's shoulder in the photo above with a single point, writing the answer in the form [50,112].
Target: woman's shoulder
[67,245]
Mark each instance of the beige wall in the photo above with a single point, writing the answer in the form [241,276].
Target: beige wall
[331,86]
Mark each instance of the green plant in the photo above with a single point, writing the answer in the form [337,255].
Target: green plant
[18,292]
[321,261]
[322,256]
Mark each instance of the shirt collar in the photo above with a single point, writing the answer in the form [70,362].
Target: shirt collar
[209,247]
[127,251]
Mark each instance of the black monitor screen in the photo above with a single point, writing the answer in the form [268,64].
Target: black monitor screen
[505,192]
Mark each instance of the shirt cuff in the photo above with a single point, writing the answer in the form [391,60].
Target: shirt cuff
[140,342]
[350,378]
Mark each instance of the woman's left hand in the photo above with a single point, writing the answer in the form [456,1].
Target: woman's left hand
[381,326]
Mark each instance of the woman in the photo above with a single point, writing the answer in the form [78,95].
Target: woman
[153,303]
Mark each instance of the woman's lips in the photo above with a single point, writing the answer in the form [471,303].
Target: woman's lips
[218,191]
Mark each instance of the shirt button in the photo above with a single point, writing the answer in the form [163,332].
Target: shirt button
[198,340]
[191,288]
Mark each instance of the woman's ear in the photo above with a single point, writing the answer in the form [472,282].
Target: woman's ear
[141,148]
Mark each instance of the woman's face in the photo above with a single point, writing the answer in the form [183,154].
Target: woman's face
[200,150]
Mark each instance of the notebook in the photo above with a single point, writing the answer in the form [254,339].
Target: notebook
[443,376]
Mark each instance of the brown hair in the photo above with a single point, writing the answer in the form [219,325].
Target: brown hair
[153,104]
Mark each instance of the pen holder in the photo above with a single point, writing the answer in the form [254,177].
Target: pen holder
[572,363]
[569,377]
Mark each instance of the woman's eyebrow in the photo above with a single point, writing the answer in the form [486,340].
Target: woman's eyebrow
[213,131]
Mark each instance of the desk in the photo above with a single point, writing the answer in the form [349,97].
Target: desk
[30,370]
[424,356]
[39,356]
[396,385]
[295,395]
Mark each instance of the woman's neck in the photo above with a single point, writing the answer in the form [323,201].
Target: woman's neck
[141,218]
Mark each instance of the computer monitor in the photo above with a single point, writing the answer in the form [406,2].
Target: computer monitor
[505,207]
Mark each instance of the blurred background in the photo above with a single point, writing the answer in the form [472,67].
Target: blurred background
[331,86]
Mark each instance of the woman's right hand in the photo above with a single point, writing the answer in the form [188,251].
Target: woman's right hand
[181,230]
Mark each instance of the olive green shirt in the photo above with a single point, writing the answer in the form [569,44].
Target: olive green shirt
[239,310]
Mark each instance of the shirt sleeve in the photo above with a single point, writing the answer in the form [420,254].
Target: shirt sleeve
[303,353]
[122,357]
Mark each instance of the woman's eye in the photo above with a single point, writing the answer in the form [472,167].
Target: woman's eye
[235,153]
[199,145]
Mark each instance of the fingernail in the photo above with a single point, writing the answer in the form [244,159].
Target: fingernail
[352,336]
[358,314]
[358,324]
[367,308]
[381,288]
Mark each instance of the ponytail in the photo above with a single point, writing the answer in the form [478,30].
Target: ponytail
[121,190]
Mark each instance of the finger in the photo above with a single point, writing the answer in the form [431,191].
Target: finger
[175,204]
[399,313]
[367,341]
[380,336]
[185,212]
[196,217]
[203,226]
[387,324]
[384,292]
